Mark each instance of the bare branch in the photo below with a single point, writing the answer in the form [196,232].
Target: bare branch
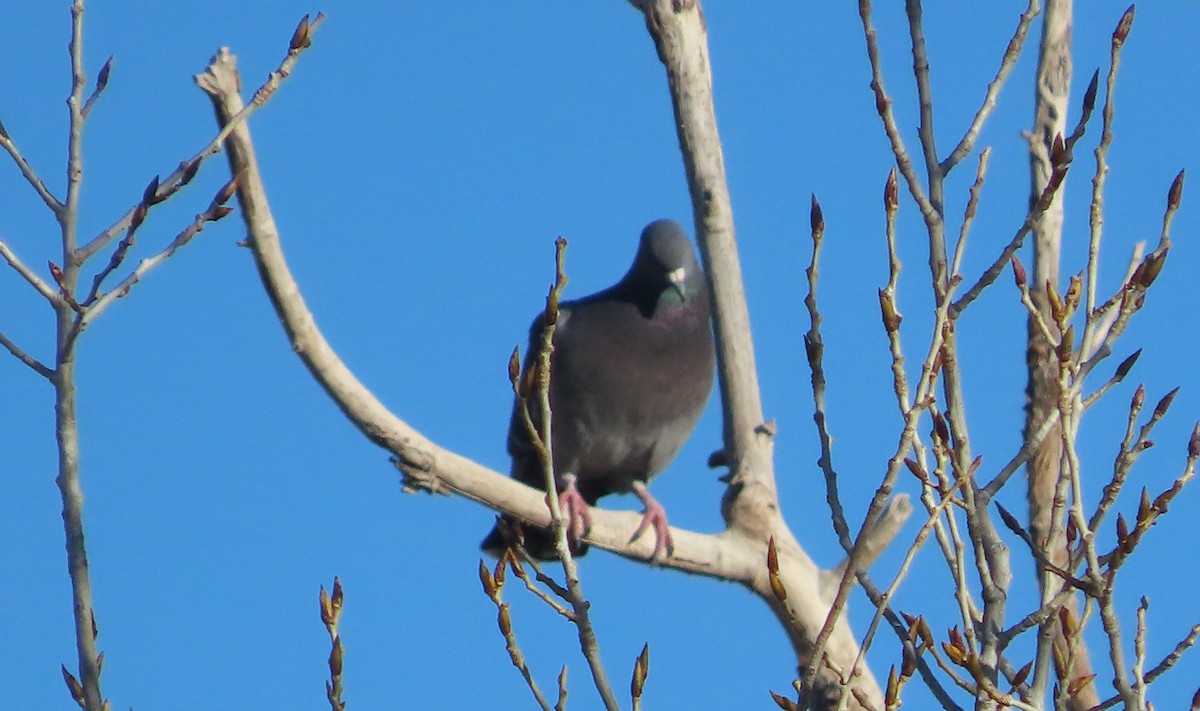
[17,352]
[216,210]
[1011,53]
[30,174]
[52,295]
[183,174]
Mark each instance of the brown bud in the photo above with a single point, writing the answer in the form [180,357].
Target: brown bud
[1056,302]
[514,366]
[335,658]
[956,655]
[891,319]
[150,194]
[1175,194]
[1022,674]
[891,192]
[788,705]
[1194,443]
[189,171]
[1122,528]
[816,218]
[940,430]
[1122,32]
[139,216]
[1125,366]
[1149,269]
[1018,271]
[326,607]
[1009,520]
[102,77]
[486,578]
[1065,623]
[219,212]
[1076,686]
[301,38]
[893,687]
[504,620]
[1165,403]
[73,685]
[641,668]
[1089,96]
[1139,397]
[916,469]
[1074,293]
[227,191]
[1058,151]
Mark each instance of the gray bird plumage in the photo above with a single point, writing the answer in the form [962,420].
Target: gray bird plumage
[631,370]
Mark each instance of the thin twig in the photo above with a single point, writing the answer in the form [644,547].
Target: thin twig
[1011,53]
[48,292]
[19,353]
[187,168]
[30,174]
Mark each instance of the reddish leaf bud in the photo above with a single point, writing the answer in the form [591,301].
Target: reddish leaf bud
[891,192]
[1165,403]
[1175,194]
[1122,32]
[1018,271]
[514,366]
[815,217]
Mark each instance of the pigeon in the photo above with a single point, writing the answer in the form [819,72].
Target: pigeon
[630,373]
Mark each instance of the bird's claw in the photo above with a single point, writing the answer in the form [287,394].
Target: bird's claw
[655,516]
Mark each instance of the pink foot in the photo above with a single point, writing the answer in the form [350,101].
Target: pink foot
[577,517]
[654,516]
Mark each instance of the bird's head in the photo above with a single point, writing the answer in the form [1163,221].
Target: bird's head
[665,260]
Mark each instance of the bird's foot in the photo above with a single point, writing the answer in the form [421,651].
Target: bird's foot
[577,517]
[654,516]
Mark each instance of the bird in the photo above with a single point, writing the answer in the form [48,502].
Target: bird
[630,372]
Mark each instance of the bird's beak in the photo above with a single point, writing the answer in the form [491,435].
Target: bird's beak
[677,277]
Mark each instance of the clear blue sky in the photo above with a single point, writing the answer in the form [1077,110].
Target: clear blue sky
[421,162]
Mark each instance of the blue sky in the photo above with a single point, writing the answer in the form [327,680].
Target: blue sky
[421,161]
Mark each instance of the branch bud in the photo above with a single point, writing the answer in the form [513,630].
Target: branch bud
[1125,366]
[1165,403]
[73,685]
[150,194]
[102,77]
[891,192]
[301,38]
[816,218]
[891,319]
[1018,272]
[1175,194]
[189,172]
[641,668]
[1122,32]
[1089,96]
